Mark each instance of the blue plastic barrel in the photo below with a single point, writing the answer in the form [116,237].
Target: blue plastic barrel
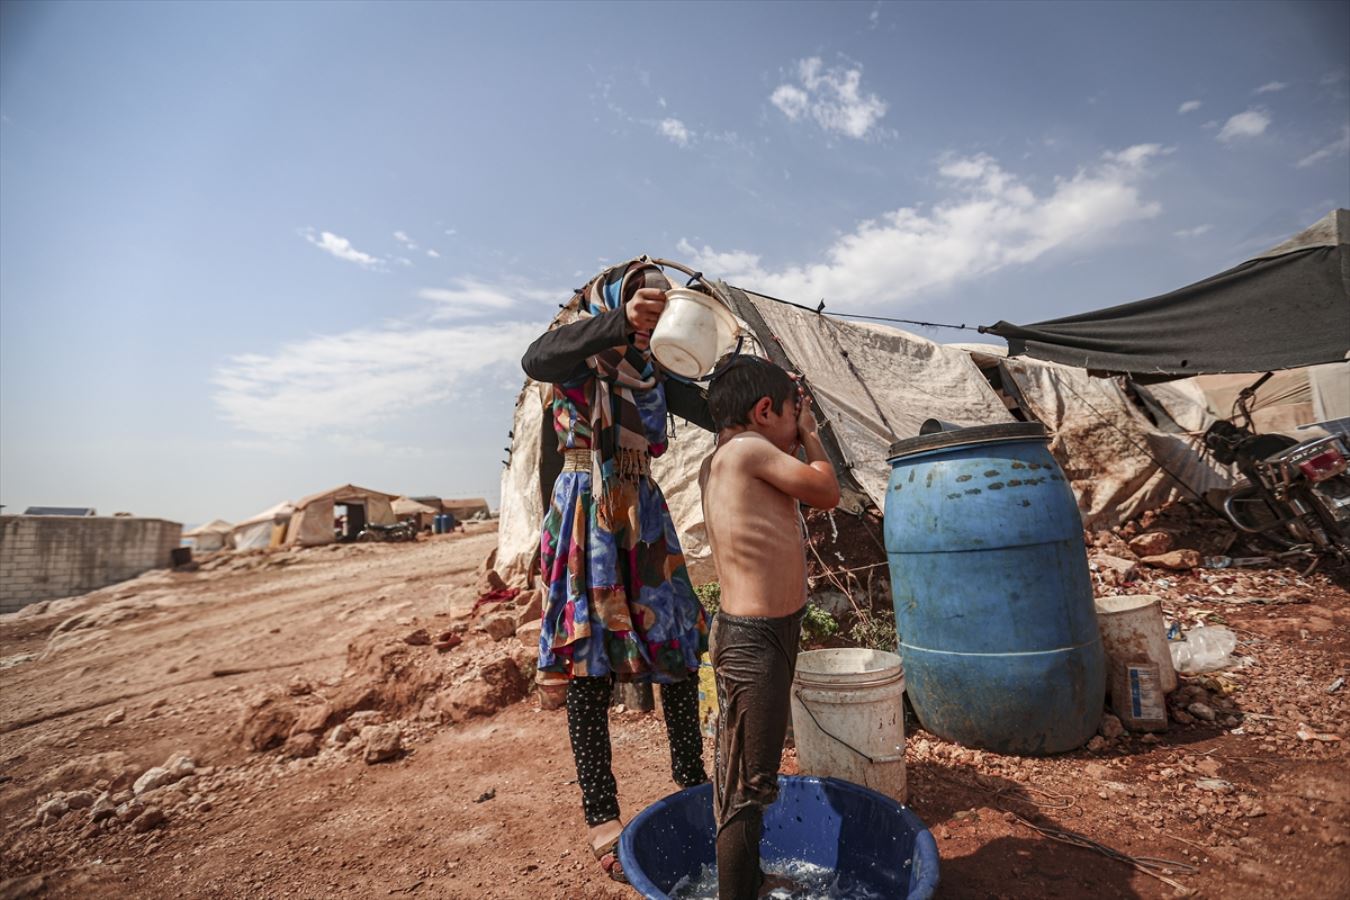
[438,524]
[993,600]
[871,844]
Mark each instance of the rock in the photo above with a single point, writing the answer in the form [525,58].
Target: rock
[499,625]
[1182,717]
[448,641]
[528,634]
[552,696]
[1111,727]
[153,817]
[80,799]
[103,808]
[383,742]
[312,719]
[490,582]
[1176,559]
[419,638]
[267,722]
[1151,543]
[128,811]
[1097,744]
[299,686]
[531,609]
[1123,569]
[154,778]
[340,735]
[301,746]
[359,720]
[114,717]
[181,765]
[51,810]
[1201,711]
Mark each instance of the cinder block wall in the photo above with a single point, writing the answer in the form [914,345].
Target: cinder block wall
[44,557]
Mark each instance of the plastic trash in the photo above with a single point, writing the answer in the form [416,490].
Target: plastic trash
[1205,649]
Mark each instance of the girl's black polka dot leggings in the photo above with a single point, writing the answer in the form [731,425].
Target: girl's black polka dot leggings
[588,727]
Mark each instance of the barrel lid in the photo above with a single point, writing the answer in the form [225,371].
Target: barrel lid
[979,434]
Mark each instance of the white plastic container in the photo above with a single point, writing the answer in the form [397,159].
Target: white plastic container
[693,332]
[848,717]
[1133,630]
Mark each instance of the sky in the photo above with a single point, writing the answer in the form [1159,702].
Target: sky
[249,251]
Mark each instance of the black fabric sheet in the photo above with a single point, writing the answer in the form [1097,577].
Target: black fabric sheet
[1278,311]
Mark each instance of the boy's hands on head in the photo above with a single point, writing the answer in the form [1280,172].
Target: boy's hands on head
[806,419]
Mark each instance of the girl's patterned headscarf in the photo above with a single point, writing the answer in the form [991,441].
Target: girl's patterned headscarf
[628,414]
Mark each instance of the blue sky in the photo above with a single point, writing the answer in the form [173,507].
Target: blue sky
[249,251]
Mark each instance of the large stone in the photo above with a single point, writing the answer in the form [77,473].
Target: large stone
[154,778]
[1121,569]
[181,764]
[300,746]
[364,718]
[153,817]
[1111,727]
[528,634]
[103,808]
[499,625]
[267,722]
[312,719]
[52,809]
[341,735]
[1176,559]
[531,609]
[382,742]
[490,583]
[1151,543]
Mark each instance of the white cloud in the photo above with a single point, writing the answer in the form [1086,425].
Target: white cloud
[832,98]
[1188,106]
[1195,232]
[451,232]
[340,247]
[433,254]
[992,220]
[675,130]
[402,238]
[874,17]
[351,381]
[1338,147]
[470,297]
[1249,124]
[1271,87]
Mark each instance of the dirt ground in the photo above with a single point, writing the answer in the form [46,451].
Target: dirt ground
[297,651]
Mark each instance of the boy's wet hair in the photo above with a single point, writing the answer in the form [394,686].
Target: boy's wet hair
[740,384]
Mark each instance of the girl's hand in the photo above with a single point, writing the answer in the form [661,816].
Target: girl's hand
[644,309]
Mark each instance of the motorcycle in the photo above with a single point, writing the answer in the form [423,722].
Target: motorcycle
[399,531]
[1295,494]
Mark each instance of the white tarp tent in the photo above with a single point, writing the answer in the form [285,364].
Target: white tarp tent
[210,537]
[312,522]
[264,530]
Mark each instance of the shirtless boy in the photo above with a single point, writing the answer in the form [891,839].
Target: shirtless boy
[751,485]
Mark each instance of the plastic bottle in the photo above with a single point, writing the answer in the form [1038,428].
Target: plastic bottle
[1205,649]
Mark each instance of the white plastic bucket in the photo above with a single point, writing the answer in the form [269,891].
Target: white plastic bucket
[1133,630]
[693,332]
[848,717]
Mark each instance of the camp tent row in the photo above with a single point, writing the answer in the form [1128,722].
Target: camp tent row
[1124,448]
[310,522]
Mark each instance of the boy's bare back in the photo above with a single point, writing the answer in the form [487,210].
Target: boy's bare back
[751,486]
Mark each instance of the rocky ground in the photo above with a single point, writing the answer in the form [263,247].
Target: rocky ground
[341,721]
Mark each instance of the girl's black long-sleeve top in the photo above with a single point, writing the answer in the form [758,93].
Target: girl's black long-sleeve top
[560,356]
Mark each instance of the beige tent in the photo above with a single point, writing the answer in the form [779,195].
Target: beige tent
[876,385]
[313,522]
[466,508]
[214,535]
[266,529]
[409,510]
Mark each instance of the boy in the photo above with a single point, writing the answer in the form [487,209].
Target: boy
[751,486]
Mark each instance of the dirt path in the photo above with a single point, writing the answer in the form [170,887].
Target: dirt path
[484,805]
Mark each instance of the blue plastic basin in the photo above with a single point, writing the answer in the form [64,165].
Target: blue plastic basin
[869,839]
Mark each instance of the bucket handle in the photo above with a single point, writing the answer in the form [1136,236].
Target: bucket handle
[874,760]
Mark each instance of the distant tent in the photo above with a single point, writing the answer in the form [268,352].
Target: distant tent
[214,535]
[266,529]
[313,521]
[408,509]
[1286,308]
[875,385]
[465,508]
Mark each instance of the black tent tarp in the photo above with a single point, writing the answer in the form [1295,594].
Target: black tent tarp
[1286,308]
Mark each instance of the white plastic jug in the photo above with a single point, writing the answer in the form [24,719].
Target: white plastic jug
[1132,630]
[848,717]
[693,332]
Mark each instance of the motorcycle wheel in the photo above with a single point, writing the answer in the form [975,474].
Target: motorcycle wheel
[1253,512]
[368,537]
